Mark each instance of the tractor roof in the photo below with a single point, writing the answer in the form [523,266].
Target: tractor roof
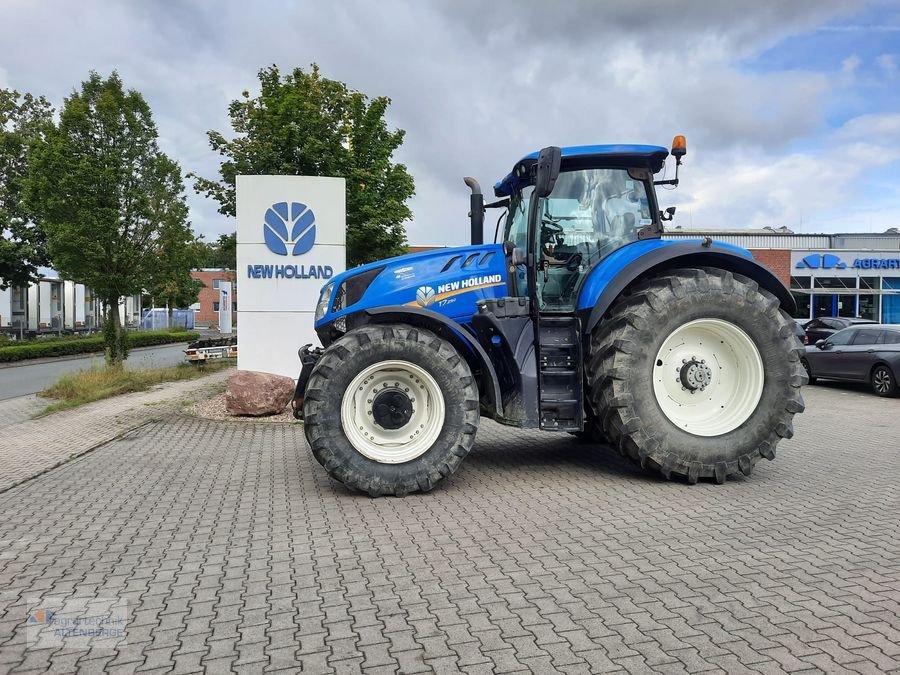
[584,156]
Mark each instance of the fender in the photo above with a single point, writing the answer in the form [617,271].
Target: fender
[453,332]
[644,258]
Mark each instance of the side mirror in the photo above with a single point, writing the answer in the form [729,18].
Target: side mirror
[821,344]
[546,171]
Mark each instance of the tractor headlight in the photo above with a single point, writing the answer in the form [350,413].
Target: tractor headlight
[322,305]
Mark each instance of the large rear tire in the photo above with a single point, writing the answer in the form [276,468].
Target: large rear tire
[391,409]
[696,373]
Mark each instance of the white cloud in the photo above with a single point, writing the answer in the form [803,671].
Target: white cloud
[476,85]
[805,191]
[849,66]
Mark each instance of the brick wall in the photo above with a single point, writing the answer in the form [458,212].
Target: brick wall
[209,295]
[777,260]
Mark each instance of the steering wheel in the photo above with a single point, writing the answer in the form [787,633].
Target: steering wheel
[551,233]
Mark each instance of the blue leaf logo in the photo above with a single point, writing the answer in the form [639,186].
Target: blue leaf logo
[296,218]
[825,261]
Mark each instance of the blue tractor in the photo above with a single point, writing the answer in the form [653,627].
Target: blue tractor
[579,318]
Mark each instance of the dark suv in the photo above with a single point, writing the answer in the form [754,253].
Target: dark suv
[826,326]
[861,353]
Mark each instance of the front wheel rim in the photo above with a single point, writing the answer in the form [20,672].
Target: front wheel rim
[413,432]
[708,377]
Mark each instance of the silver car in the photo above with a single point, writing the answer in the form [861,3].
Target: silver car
[861,353]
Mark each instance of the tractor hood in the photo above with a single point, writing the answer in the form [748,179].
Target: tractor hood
[448,281]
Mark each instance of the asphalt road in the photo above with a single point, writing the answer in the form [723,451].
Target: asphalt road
[30,378]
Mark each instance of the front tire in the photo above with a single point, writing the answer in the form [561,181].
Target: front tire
[696,373]
[391,409]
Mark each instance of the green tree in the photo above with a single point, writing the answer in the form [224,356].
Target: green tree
[171,283]
[23,119]
[304,124]
[222,252]
[111,203]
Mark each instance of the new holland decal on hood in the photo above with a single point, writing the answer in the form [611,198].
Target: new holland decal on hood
[427,296]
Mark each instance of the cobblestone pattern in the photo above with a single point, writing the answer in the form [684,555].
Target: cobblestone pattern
[28,447]
[237,554]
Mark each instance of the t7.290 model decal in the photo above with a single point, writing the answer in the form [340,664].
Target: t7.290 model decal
[427,295]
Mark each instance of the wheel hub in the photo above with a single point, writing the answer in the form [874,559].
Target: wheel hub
[392,409]
[694,374]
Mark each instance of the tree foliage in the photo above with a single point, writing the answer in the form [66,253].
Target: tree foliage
[304,124]
[23,119]
[222,252]
[171,284]
[112,204]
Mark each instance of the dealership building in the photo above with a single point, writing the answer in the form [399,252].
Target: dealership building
[852,275]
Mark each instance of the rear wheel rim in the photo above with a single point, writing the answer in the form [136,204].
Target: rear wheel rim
[708,377]
[414,429]
[882,381]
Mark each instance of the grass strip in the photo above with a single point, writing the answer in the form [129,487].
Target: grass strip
[93,384]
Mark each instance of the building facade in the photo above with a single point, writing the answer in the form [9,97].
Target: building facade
[206,309]
[851,275]
[51,304]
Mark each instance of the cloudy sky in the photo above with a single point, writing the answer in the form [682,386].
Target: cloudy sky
[791,110]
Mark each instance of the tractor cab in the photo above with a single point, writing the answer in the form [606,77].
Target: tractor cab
[601,198]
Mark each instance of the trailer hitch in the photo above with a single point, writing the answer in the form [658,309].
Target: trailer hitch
[308,359]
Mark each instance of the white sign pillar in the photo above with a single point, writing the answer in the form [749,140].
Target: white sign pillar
[291,239]
[225,307]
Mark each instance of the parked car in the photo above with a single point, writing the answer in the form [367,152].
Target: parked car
[826,326]
[799,331]
[861,353]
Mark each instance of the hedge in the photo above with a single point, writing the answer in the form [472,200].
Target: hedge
[86,345]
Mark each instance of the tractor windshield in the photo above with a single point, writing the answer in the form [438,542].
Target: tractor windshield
[589,214]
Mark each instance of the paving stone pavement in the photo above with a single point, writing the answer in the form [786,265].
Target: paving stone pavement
[19,409]
[236,553]
[30,446]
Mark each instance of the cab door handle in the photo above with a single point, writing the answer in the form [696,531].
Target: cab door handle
[870,351]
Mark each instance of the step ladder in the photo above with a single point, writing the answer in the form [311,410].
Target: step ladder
[560,370]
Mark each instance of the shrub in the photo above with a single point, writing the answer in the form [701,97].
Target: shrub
[35,349]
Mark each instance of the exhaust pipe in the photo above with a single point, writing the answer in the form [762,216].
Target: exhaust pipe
[476,210]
